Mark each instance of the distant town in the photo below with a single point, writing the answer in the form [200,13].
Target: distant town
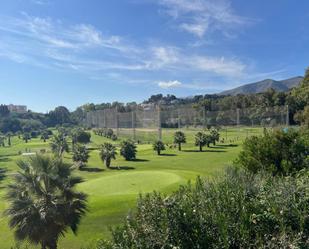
[17,108]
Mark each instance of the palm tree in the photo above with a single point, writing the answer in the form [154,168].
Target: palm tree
[179,138]
[26,137]
[158,146]
[9,136]
[215,136]
[43,202]
[201,140]
[80,155]
[59,144]
[44,135]
[107,153]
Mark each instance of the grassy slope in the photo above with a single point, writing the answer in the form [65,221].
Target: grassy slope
[112,193]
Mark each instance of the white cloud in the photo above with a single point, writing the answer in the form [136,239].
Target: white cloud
[201,16]
[169,84]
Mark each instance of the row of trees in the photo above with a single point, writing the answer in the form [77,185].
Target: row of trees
[105,132]
[202,139]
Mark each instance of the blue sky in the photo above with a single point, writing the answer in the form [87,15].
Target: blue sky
[56,52]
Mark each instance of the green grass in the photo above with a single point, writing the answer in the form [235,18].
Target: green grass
[113,193]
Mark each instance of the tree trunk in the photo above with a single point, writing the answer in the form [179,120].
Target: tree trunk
[179,146]
[108,162]
[159,152]
[43,245]
[52,245]
[201,148]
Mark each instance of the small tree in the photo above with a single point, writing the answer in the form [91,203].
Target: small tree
[45,135]
[128,150]
[26,137]
[201,139]
[179,138]
[158,146]
[2,139]
[80,136]
[80,155]
[107,153]
[9,136]
[215,136]
[59,144]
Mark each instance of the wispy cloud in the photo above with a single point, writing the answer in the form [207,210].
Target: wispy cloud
[40,2]
[200,17]
[83,48]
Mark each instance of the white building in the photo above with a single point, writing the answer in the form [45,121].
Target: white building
[17,108]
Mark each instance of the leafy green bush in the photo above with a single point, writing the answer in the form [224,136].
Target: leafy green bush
[128,150]
[239,210]
[279,152]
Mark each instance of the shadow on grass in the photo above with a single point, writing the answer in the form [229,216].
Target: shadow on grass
[92,169]
[121,168]
[5,159]
[167,154]
[139,160]
[219,151]
[226,145]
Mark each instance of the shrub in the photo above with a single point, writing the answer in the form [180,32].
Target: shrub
[279,152]
[239,210]
[128,150]
[114,137]
[80,136]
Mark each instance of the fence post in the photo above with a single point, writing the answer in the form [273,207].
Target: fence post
[287,115]
[204,117]
[116,121]
[179,119]
[159,123]
[133,125]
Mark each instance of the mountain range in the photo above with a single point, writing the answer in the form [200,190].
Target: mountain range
[264,85]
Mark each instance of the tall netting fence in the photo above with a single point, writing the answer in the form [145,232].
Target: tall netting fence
[146,124]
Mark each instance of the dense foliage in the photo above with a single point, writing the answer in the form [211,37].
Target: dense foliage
[239,210]
[128,150]
[280,152]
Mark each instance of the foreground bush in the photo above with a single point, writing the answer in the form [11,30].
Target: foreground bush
[239,210]
[279,152]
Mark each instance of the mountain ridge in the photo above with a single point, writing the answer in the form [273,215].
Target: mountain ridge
[264,85]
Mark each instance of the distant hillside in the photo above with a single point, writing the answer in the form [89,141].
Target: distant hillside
[262,86]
